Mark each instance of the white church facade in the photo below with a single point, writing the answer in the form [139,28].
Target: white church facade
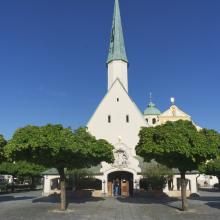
[118,120]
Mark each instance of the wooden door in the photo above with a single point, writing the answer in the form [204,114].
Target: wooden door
[125,188]
[110,186]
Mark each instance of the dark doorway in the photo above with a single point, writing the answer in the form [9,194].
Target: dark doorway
[120,183]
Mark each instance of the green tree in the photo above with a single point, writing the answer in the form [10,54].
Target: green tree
[178,145]
[157,175]
[212,168]
[77,175]
[3,142]
[21,169]
[58,147]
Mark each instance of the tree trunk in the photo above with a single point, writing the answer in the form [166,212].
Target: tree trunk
[183,192]
[32,182]
[62,189]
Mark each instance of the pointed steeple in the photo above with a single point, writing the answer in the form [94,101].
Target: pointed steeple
[117,47]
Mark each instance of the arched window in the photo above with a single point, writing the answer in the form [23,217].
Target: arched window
[154,121]
[109,118]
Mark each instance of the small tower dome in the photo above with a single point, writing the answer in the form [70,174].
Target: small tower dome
[151,110]
[151,113]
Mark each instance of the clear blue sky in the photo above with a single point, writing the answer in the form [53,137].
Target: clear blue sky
[53,54]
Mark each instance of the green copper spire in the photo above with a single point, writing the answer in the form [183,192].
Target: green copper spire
[117,46]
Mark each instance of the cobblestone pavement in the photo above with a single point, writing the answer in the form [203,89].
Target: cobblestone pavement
[30,206]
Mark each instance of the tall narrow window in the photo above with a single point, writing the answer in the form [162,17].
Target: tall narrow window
[127,118]
[154,121]
[109,118]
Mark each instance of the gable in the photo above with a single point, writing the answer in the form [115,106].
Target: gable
[125,117]
[173,114]
[174,111]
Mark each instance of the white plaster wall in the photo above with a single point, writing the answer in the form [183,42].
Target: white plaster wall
[210,180]
[150,120]
[173,193]
[47,188]
[118,105]
[118,69]
[7,178]
[128,132]
[193,182]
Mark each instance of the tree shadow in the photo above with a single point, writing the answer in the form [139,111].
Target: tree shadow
[17,191]
[14,198]
[163,200]
[209,189]
[55,198]
[207,198]
[175,203]
[213,204]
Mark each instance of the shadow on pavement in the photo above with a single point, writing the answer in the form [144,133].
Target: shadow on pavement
[209,190]
[14,198]
[214,204]
[167,201]
[207,198]
[70,199]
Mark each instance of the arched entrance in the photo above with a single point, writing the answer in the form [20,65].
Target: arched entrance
[120,183]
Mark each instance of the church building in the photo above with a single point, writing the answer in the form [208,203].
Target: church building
[118,120]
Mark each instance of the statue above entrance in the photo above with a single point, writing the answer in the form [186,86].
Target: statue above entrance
[123,158]
[121,155]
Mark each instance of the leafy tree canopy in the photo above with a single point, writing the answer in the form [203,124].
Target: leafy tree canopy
[178,145]
[58,147]
[3,142]
[55,146]
[21,169]
[211,168]
[154,169]
[156,175]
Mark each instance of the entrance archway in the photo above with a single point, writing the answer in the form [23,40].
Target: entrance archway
[120,183]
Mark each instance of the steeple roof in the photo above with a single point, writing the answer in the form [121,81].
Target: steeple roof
[117,47]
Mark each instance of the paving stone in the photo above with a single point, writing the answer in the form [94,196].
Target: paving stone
[30,206]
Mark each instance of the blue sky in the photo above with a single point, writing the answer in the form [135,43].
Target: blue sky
[53,54]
